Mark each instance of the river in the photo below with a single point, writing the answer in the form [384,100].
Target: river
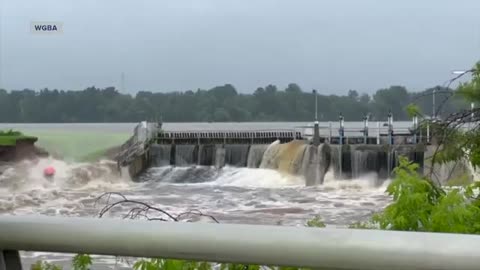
[231,195]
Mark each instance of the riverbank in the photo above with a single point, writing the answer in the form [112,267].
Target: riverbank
[15,146]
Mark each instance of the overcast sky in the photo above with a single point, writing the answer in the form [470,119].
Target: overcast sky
[172,45]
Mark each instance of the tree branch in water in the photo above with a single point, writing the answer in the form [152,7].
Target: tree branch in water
[143,210]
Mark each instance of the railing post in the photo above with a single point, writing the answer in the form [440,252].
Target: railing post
[390,128]
[316,134]
[365,129]
[415,119]
[378,132]
[341,134]
[10,260]
[341,130]
[330,132]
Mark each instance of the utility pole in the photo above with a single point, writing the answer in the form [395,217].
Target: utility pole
[316,128]
[316,104]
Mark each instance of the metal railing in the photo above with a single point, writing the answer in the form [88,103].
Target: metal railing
[249,244]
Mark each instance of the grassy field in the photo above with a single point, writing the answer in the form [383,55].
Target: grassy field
[78,146]
[9,138]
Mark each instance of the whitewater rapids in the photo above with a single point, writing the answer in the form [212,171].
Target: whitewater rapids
[232,195]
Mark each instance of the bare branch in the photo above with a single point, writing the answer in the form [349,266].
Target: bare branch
[141,209]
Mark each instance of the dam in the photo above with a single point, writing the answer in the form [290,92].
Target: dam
[349,153]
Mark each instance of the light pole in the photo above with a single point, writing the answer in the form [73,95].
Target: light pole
[316,105]
[433,103]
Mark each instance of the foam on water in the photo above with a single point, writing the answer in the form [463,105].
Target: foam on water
[264,178]
[28,175]
[25,190]
[365,182]
[231,194]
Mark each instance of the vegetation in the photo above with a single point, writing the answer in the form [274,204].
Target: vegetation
[82,262]
[78,145]
[420,205]
[455,141]
[221,103]
[94,156]
[153,264]
[42,265]
[10,137]
[79,262]
[316,222]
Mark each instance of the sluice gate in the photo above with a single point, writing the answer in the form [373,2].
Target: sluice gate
[288,151]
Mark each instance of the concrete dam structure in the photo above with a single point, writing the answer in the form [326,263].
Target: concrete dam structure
[287,151]
[294,157]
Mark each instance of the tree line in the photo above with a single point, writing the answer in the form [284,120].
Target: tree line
[219,104]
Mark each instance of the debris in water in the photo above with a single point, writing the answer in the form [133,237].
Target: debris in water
[49,171]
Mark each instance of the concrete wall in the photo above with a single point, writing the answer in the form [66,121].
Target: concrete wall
[134,153]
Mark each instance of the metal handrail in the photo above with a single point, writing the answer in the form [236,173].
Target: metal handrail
[228,130]
[249,244]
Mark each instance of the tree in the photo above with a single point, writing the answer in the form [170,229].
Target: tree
[353,94]
[456,143]
[220,103]
[394,99]
[293,88]
[365,99]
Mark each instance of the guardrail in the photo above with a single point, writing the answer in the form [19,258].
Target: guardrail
[229,134]
[249,244]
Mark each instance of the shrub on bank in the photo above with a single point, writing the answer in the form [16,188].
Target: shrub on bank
[420,205]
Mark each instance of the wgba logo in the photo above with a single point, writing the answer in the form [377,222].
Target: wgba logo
[46,28]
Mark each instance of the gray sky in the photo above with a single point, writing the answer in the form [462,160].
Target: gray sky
[165,45]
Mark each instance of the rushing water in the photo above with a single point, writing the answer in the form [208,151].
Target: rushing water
[231,194]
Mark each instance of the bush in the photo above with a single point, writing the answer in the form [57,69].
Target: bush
[10,133]
[42,265]
[420,205]
[316,222]
[81,262]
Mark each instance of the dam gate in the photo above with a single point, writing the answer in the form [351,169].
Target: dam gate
[351,153]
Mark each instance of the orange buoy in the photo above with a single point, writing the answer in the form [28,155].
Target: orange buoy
[49,171]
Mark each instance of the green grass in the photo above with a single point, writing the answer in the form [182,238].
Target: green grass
[79,146]
[10,137]
[94,156]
